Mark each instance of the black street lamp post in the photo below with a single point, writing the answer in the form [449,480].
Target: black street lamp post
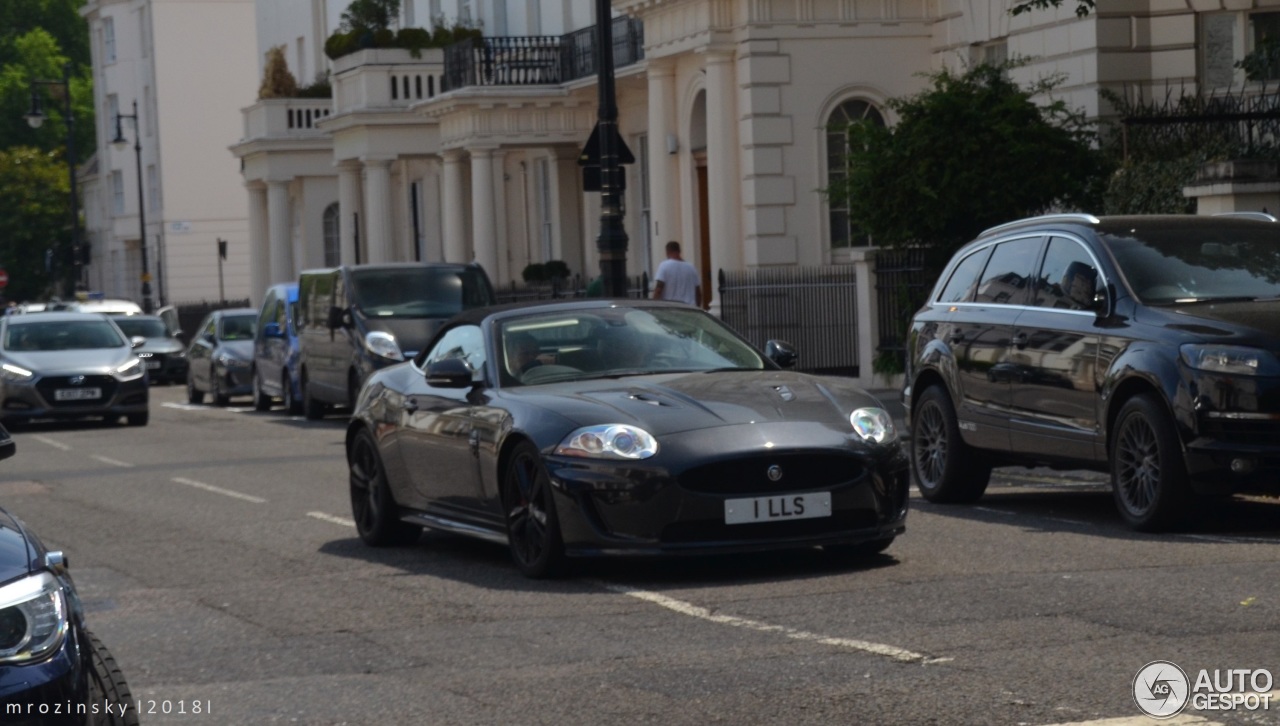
[120,142]
[35,119]
[612,242]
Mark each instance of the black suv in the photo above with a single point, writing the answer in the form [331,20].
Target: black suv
[53,670]
[1146,346]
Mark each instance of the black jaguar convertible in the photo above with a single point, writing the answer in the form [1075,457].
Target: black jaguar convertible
[620,427]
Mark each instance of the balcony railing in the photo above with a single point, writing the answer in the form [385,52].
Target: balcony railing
[537,60]
[283,117]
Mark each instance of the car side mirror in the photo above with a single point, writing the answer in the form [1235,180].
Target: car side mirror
[272,330]
[137,341]
[449,373]
[781,352]
[209,338]
[338,318]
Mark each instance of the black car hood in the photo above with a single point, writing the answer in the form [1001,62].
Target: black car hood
[1254,323]
[411,334]
[676,402]
[17,550]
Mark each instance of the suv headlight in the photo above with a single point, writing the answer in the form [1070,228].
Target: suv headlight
[33,618]
[131,370]
[1233,359]
[609,441]
[16,374]
[873,424]
[383,345]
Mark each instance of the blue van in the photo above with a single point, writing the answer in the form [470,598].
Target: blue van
[276,350]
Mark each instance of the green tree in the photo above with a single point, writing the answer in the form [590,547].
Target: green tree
[970,151]
[33,218]
[59,18]
[38,57]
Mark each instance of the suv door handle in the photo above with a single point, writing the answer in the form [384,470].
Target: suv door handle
[1020,340]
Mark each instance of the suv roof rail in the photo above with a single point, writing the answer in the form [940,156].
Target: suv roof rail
[1260,216]
[1069,217]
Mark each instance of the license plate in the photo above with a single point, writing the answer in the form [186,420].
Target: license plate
[153,364]
[777,508]
[77,394]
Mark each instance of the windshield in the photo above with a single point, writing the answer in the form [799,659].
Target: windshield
[238,327]
[1192,264]
[419,292]
[62,335]
[144,327]
[610,342]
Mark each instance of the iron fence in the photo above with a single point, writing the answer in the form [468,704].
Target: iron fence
[537,59]
[579,48]
[813,308]
[903,281]
[1235,121]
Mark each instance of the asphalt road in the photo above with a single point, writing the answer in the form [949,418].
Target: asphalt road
[216,558]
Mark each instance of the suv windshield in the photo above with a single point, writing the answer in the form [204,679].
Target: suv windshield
[419,292]
[62,335]
[1197,263]
[144,327]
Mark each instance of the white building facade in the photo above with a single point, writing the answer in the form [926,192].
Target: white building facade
[188,64]
[729,106]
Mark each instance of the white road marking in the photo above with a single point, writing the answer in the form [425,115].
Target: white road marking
[112,462]
[1229,539]
[330,518]
[219,490]
[1179,720]
[51,442]
[185,406]
[684,608]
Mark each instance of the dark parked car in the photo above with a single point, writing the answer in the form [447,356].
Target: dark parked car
[276,350]
[611,427]
[163,354]
[53,670]
[1145,346]
[69,365]
[220,358]
[353,320]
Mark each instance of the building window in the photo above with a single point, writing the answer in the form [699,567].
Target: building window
[153,188]
[1263,61]
[843,232]
[332,249]
[301,64]
[113,112]
[142,32]
[109,39]
[117,192]
[545,217]
[146,111]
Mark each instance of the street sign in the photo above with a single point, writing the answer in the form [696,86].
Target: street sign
[4,277]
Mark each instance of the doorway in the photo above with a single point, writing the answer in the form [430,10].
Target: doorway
[704,231]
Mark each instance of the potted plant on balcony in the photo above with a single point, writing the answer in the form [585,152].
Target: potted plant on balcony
[277,81]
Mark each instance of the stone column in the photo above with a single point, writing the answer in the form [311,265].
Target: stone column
[348,206]
[281,241]
[259,244]
[484,212]
[377,206]
[454,222]
[662,223]
[724,193]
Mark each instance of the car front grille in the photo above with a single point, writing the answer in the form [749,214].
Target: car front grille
[47,386]
[1242,431]
[750,475]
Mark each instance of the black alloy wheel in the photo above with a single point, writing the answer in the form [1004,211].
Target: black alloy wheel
[107,685]
[194,395]
[945,469]
[261,401]
[1148,475]
[533,530]
[372,505]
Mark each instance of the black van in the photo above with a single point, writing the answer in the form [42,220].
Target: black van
[355,319]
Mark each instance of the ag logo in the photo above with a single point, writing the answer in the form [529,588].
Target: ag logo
[1161,689]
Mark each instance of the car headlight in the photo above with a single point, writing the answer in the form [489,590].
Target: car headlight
[33,618]
[16,374]
[383,345]
[1234,359]
[131,370]
[873,424]
[609,441]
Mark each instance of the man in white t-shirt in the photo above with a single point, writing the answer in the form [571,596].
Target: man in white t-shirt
[676,279]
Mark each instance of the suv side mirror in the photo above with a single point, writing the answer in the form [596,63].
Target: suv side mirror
[272,330]
[449,373]
[338,318]
[781,352]
[137,341]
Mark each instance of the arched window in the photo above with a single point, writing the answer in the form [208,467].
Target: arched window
[843,232]
[332,248]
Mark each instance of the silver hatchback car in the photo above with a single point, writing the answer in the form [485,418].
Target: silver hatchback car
[69,365]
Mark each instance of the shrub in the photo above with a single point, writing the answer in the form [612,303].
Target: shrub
[277,81]
[534,272]
[557,270]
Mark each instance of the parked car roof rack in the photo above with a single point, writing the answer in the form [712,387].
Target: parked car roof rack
[1070,217]
[1260,216]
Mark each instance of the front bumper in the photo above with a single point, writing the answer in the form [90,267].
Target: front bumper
[1235,443]
[235,381]
[53,692]
[38,398]
[674,503]
[165,367]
